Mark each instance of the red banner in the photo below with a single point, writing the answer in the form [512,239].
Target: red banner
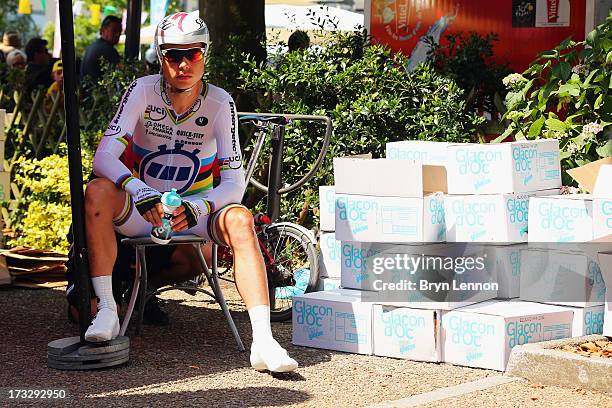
[524,27]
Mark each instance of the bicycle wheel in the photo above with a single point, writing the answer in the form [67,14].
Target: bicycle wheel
[291,263]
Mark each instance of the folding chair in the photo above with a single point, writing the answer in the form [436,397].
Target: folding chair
[139,288]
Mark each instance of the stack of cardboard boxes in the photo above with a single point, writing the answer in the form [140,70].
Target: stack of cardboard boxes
[561,265]
[329,254]
[427,200]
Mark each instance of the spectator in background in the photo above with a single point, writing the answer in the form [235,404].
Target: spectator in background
[16,59]
[10,41]
[152,61]
[57,73]
[103,47]
[298,40]
[38,71]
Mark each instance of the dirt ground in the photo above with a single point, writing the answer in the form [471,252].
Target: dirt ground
[194,362]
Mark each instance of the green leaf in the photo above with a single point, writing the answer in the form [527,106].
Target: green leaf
[605,150]
[565,70]
[556,71]
[536,127]
[587,81]
[598,101]
[555,124]
[569,89]
[592,38]
[549,54]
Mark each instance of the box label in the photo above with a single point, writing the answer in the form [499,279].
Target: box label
[332,321]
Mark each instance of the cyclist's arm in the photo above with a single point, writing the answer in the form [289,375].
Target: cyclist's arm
[116,138]
[232,184]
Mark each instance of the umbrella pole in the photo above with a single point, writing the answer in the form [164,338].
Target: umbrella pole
[132,30]
[75,168]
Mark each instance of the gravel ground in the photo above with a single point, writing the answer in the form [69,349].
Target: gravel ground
[194,362]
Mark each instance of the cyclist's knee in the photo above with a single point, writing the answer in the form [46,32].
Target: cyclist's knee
[239,224]
[102,194]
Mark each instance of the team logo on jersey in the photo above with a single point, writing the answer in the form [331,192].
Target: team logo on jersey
[155,170]
[112,130]
[201,121]
[154,113]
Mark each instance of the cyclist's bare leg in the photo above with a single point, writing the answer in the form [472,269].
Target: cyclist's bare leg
[235,226]
[103,203]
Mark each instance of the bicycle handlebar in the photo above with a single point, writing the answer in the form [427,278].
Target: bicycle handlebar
[271,118]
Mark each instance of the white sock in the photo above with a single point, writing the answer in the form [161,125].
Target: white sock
[106,324]
[103,287]
[266,353]
[260,322]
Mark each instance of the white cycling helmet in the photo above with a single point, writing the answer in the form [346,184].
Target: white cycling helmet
[181,28]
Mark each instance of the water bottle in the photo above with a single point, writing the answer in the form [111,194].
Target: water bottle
[170,201]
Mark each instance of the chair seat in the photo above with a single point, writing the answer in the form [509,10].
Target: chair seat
[176,240]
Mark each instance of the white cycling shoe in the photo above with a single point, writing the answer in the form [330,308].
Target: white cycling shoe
[272,357]
[104,327]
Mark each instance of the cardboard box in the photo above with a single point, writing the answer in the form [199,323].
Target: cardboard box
[407,333]
[587,320]
[333,320]
[355,259]
[356,265]
[390,219]
[504,263]
[577,217]
[561,218]
[328,284]
[483,334]
[433,153]
[426,277]
[387,178]
[562,278]
[329,261]
[327,203]
[605,261]
[514,167]
[602,202]
[500,218]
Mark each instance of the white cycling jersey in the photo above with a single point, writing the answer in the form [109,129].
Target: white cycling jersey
[149,146]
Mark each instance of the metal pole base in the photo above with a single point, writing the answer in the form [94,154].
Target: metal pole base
[71,354]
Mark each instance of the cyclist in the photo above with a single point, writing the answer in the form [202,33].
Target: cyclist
[173,130]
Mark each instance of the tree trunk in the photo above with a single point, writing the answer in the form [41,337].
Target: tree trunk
[236,26]
[244,18]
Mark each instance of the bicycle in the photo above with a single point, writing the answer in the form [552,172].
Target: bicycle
[288,249]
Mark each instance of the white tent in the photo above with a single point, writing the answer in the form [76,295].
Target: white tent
[287,17]
[311,18]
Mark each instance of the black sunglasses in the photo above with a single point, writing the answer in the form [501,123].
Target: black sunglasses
[176,55]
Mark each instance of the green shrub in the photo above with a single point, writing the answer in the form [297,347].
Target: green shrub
[43,214]
[566,94]
[468,59]
[371,98]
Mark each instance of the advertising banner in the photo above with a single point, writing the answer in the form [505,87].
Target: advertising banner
[524,27]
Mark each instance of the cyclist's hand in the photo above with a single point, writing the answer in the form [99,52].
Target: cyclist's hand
[184,217]
[155,214]
[148,204]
